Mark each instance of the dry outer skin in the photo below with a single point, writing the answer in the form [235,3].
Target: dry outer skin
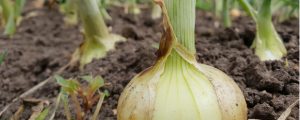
[42,45]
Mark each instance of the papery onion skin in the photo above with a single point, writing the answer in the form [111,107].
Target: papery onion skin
[217,98]
[230,97]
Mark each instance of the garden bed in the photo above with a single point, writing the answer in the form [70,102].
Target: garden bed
[43,44]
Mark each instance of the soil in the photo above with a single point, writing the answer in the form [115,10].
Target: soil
[43,44]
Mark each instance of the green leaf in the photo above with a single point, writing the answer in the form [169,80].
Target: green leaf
[43,114]
[62,82]
[69,86]
[96,83]
[59,79]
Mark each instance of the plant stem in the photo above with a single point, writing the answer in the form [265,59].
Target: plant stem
[79,115]
[247,7]
[265,10]
[217,8]
[182,17]
[264,23]
[92,19]
[226,17]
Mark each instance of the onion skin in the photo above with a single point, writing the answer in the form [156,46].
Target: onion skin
[140,99]
[230,97]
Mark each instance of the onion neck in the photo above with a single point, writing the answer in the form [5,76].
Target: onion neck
[265,10]
[182,17]
[267,38]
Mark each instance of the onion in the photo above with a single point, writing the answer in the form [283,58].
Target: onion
[176,87]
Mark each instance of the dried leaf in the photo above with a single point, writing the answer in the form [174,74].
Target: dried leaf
[31,90]
[35,101]
[99,104]
[56,105]
[17,114]
[37,110]
[287,112]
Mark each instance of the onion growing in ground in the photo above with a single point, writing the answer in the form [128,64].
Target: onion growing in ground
[98,41]
[267,43]
[176,87]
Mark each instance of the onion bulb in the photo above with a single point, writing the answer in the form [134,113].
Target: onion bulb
[176,87]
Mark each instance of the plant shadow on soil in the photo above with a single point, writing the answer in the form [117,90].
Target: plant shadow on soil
[43,44]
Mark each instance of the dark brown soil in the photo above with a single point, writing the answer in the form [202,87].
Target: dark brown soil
[43,44]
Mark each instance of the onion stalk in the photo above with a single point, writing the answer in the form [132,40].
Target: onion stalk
[176,87]
[98,40]
[267,43]
[226,15]
[11,15]
[217,7]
